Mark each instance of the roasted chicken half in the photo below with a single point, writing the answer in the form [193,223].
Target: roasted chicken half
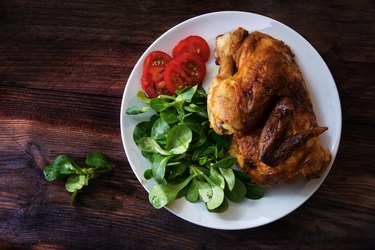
[259,97]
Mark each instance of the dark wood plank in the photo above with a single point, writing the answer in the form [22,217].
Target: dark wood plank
[63,70]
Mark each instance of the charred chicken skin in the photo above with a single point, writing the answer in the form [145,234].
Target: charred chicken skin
[259,97]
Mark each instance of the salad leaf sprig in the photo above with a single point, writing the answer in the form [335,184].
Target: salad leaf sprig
[188,159]
[77,177]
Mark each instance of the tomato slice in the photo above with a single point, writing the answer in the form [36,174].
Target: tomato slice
[194,45]
[184,70]
[152,80]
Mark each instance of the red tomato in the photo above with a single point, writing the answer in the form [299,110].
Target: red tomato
[153,74]
[184,70]
[192,44]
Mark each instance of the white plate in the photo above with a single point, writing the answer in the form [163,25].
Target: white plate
[282,199]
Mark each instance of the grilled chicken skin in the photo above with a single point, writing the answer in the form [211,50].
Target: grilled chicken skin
[260,98]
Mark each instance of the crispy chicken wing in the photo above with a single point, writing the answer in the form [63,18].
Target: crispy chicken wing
[260,98]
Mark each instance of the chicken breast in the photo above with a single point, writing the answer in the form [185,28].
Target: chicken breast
[259,97]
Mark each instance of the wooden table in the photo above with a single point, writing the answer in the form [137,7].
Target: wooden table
[63,70]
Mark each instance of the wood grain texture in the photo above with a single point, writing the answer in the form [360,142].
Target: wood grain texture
[63,70]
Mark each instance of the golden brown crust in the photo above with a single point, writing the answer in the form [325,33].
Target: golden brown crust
[260,97]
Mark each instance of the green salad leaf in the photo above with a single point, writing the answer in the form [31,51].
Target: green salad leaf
[75,176]
[187,157]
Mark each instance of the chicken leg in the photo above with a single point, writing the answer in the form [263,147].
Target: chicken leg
[259,97]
